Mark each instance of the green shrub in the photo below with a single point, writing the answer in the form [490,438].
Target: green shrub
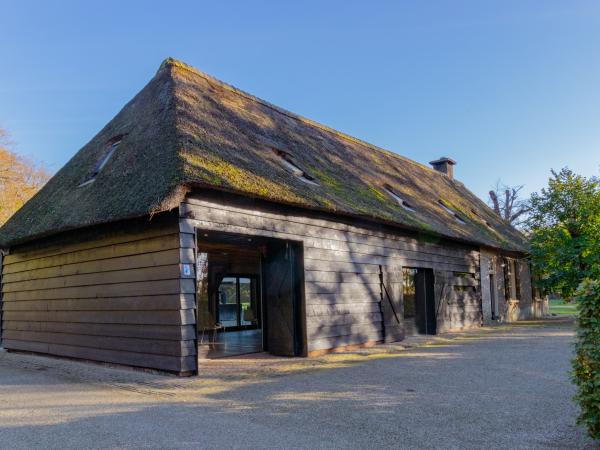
[586,364]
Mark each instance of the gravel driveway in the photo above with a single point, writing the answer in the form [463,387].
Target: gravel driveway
[503,387]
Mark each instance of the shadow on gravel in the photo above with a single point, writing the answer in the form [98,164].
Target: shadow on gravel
[499,387]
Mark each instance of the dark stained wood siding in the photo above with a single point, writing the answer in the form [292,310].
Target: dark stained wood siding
[342,266]
[116,295]
[527,308]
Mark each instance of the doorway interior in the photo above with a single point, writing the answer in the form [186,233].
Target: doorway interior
[493,302]
[249,295]
[418,301]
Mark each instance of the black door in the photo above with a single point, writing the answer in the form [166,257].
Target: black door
[282,290]
[425,316]
[493,297]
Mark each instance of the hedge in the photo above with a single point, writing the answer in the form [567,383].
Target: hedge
[586,364]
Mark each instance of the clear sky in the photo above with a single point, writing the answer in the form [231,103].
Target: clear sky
[509,89]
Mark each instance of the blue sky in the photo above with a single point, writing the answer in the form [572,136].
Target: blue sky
[509,89]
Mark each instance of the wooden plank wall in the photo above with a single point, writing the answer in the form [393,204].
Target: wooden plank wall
[342,266]
[116,297]
[526,304]
[523,309]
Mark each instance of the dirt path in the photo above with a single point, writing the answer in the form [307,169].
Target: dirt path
[502,387]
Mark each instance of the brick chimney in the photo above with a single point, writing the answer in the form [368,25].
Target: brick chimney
[444,165]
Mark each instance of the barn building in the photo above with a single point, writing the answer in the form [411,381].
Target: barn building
[204,221]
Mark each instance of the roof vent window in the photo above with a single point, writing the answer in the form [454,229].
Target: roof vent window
[110,150]
[399,199]
[452,212]
[288,164]
[484,221]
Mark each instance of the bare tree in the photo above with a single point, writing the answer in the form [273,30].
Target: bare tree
[506,202]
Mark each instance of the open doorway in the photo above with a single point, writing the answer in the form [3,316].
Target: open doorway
[493,302]
[419,301]
[249,296]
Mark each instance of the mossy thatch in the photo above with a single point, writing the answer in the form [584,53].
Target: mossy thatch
[186,129]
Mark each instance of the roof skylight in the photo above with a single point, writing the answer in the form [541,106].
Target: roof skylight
[480,218]
[110,150]
[399,199]
[288,164]
[452,212]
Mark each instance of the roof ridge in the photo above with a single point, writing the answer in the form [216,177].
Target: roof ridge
[180,64]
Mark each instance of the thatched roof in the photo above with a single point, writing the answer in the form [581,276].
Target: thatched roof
[186,129]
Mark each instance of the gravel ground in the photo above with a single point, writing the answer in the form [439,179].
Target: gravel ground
[503,387]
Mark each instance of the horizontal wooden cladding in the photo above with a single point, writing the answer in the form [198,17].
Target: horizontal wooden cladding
[290,227]
[155,273]
[136,345]
[343,289]
[147,303]
[119,298]
[187,240]
[100,252]
[391,260]
[462,308]
[316,265]
[382,249]
[330,299]
[463,281]
[343,308]
[185,317]
[137,289]
[83,241]
[458,261]
[460,318]
[352,329]
[333,342]
[343,319]
[463,297]
[314,276]
[167,332]
[160,362]
[160,258]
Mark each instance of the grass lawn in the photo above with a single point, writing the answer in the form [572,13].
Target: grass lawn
[560,307]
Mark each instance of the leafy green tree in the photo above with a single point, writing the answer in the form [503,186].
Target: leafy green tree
[564,225]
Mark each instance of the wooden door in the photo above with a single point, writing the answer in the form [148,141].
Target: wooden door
[391,304]
[282,299]
[425,314]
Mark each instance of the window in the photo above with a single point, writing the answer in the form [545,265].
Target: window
[237,302]
[288,164]
[399,199]
[452,212]
[409,293]
[487,224]
[110,150]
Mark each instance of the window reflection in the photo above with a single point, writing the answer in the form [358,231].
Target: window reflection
[238,302]
[409,292]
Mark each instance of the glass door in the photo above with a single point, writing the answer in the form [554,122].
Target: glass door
[237,303]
